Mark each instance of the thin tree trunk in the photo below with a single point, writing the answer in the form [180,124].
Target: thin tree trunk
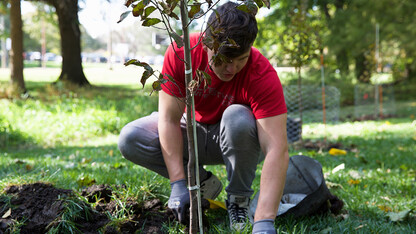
[16,34]
[300,100]
[192,182]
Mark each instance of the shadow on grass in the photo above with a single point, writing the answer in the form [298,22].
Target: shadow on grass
[10,137]
[72,166]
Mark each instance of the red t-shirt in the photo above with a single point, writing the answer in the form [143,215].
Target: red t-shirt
[256,85]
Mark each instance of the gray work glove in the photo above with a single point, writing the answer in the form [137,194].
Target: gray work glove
[264,226]
[179,200]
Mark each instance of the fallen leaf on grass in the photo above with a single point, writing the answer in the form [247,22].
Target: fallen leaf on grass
[398,216]
[86,160]
[335,151]
[7,214]
[216,204]
[386,198]
[333,185]
[28,167]
[361,226]
[384,208]
[343,216]
[339,168]
[353,182]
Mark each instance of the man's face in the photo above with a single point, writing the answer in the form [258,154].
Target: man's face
[227,70]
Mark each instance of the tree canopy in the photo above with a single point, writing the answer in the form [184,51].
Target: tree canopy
[347,30]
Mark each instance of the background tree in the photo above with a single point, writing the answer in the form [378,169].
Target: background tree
[42,31]
[67,11]
[300,41]
[16,34]
[348,33]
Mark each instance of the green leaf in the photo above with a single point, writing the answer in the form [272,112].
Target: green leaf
[170,77]
[219,59]
[148,69]
[259,3]
[232,44]
[138,9]
[195,8]
[172,4]
[137,63]
[208,41]
[204,75]
[161,79]
[248,7]
[178,39]
[150,22]
[123,16]
[217,15]
[157,85]
[173,15]
[166,8]
[129,2]
[148,11]
[145,76]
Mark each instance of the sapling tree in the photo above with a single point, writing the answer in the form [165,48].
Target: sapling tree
[300,41]
[189,11]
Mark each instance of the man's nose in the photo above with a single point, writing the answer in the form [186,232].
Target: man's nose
[231,67]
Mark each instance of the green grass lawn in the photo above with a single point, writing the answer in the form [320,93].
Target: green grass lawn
[69,138]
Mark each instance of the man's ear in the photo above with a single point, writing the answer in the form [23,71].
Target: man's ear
[204,47]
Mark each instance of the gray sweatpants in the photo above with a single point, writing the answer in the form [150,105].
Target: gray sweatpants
[233,142]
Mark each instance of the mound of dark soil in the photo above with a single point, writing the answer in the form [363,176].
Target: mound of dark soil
[39,207]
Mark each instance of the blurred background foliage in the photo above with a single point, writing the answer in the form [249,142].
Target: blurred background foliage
[291,34]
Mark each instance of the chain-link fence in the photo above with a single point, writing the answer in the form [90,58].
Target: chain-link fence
[373,101]
[307,105]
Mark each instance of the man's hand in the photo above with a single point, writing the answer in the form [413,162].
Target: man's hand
[264,226]
[179,200]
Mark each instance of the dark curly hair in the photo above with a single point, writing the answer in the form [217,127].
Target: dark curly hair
[234,24]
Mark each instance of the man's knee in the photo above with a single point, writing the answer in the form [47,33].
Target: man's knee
[126,142]
[239,121]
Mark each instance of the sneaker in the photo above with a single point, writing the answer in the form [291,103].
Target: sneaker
[211,187]
[238,208]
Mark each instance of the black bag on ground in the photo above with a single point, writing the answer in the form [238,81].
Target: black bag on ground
[305,191]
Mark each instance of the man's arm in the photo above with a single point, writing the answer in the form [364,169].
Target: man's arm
[170,113]
[273,142]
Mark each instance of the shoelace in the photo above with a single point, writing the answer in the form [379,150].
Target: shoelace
[238,214]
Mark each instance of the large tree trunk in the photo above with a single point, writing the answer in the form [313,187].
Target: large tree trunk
[16,34]
[342,62]
[410,71]
[362,70]
[67,11]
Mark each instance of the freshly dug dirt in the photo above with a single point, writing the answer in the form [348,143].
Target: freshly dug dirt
[39,207]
